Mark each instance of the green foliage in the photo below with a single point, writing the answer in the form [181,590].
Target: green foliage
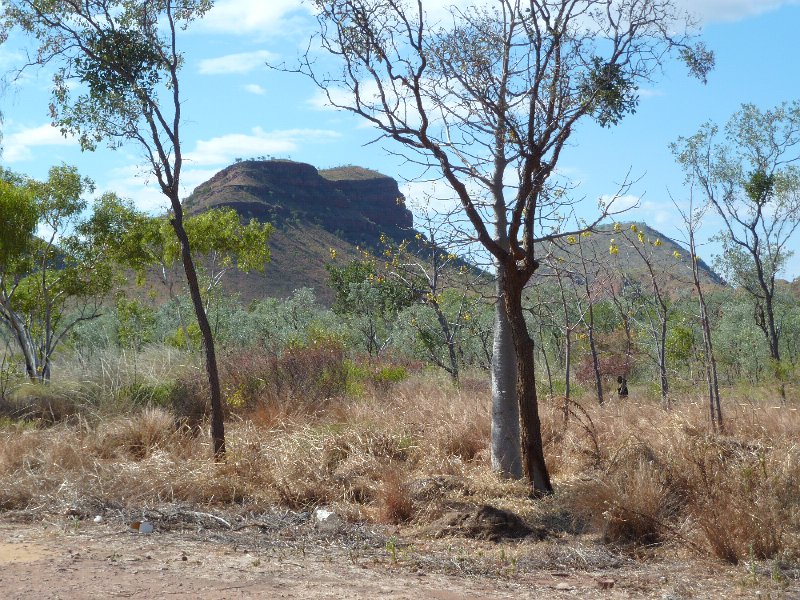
[20,216]
[760,186]
[680,343]
[178,339]
[609,91]
[116,52]
[50,284]
[136,324]
[352,282]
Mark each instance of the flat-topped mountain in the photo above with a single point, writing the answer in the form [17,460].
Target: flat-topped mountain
[312,212]
[349,201]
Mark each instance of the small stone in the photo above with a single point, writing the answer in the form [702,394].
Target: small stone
[98,519]
[564,587]
[605,584]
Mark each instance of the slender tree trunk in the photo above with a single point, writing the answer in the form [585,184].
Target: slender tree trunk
[25,344]
[449,340]
[712,382]
[662,363]
[567,370]
[567,350]
[217,421]
[546,360]
[598,379]
[506,450]
[531,429]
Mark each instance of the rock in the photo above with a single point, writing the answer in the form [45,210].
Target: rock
[564,587]
[326,520]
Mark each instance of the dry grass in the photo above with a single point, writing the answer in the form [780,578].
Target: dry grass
[633,474]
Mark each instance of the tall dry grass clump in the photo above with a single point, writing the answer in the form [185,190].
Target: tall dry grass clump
[664,476]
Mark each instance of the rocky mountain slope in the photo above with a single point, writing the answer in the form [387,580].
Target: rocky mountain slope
[312,212]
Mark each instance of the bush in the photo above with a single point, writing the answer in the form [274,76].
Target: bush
[303,376]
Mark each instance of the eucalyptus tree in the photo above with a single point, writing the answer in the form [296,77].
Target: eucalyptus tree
[116,80]
[750,173]
[492,96]
[54,280]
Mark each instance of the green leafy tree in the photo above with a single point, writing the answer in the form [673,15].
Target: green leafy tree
[52,281]
[219,241]
[752,178]
[369,300]
[440,282]
[496,95]
[124,57]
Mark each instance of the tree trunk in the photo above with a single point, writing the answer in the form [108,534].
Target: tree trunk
[712,382]
[598,379]
[217,422]
[531,429]
[449,341]
[25,344]
[506,450]
[662,363]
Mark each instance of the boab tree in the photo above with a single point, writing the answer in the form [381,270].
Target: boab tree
[490,97]
[117,81]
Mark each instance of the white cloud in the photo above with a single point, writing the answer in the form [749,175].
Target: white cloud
[253,16]
[224,149]
[646,93]
[617,204]
[243,62]
[254,88]
[18,146]
[709,11]
[138,184]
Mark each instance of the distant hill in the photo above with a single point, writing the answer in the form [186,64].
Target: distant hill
[668,257]
[312,212]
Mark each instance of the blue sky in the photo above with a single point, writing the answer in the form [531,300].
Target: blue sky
[235,107]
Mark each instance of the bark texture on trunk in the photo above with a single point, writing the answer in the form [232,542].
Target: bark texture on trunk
[506,449]
[217,421]
[531,429]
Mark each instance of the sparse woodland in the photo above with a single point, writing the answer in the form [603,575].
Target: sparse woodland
[381,405]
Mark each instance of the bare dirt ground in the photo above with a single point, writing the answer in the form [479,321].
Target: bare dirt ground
[285,556]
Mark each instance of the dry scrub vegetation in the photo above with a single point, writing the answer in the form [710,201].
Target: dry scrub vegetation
[304,431]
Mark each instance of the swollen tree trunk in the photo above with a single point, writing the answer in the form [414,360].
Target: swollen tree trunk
[531,428]
[217,422]
[506,450]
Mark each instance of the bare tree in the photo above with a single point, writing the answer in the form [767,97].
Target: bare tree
[691,221]
[124,57]
[655,307]
[493,97]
